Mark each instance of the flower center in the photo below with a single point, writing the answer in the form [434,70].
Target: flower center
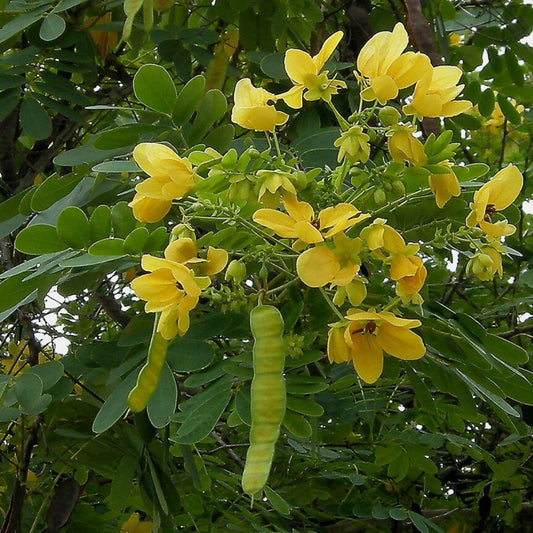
[370,327]
[315,222]
[490,210]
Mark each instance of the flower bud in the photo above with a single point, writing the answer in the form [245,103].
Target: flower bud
[389,116]
[236,272]
[379,197]
[398,187]
[183,230]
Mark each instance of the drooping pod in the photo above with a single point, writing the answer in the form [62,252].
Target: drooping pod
[268,398]
[149,375]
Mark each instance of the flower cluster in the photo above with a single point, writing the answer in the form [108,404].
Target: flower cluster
[379,150]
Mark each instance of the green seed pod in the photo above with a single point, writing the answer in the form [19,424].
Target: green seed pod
[268,400]
[379,197]
[254,154]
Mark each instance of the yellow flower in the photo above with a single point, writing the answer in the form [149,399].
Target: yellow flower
[444,186]
[304,72]
[485,264]
[252,110]
[353,145]
[368,335]
[434,93]
[184,251]
[171,178]
[321,265]
[382,236]
[300,221]
[134,525]
[454,39]
[171,289]
[410,274]
[388,70]
[404,146]
[495,195]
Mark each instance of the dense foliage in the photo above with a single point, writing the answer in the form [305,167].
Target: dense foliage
[169,168]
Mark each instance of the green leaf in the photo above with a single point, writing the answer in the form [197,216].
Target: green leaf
[34,119]
[212,109]
[273,66]
[39,239]
[135,241]
[418,521]
[188,100]
[220,138]
[509,110]
[513,68]
[53,189]
[122,483]
[467,122]
[305,406]
[28,389]
[115,405]
[162,404]
[8,101]
[49,373]
[19,23]
[52,27]
[100,223]
[486,102]
[505,350]
[187,355]
[117,166]
[277,502]
[109,247]
[305,384]
[154,87]
[297,425]
[89,260]
[73,228]
[201,413]
[157,240]
[122,219]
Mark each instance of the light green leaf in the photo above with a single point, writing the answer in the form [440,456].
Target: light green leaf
[39,239]
[188,100]
[73,228]
[154,87]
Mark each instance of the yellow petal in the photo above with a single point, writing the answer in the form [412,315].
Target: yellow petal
[280,223]
[407,69]
[338,351]
[216,261]
[149,210]
[181,250]
[307,233]
[327,49]
[400,342]
[504,187]
[444,186]
[150,157]
[293,97]
[299,65]
[298,210]
[339,218]
[317,266]
[497,229]
[367,357]
[402,266]
[384,88]
[399,322]
[452,109]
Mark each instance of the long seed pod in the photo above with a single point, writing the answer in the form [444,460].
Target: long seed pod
[268,400]
[149,374]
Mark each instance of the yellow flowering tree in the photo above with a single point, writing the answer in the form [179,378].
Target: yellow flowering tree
[253,247]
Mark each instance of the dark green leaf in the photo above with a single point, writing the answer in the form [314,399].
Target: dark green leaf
[52,27]
[297,425]
[513,68]
[162,404]
[8,101]
[135,241]
[115,405]
[122,219]
[277,502]
[509,110]
[53,189]
[28,389]
[100,223]
[186,355]
[49,373]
